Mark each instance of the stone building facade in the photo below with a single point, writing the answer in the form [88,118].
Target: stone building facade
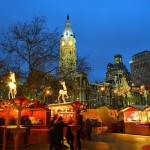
[140,69]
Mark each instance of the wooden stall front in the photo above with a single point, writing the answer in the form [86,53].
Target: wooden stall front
[38,132]
[40,118]
[67,111]
[137,121]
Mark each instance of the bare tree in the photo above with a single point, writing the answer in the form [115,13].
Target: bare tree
[30,46]
[30,49]
[83,65]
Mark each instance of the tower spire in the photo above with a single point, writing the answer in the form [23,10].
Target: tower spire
[67,30]
[67,17]
[67,52]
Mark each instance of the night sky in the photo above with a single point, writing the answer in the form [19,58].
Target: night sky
[102,28]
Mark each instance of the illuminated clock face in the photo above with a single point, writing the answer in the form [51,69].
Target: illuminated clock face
[70,43]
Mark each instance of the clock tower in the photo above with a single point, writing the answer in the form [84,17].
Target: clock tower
[67,59]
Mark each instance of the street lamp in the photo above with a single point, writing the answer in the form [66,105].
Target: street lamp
[110,88]
[47,92]
[102,89]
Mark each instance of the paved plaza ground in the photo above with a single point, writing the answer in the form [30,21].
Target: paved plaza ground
[104,141]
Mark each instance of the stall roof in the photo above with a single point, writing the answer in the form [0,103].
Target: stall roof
[60,104]
[134,108]
[147,109]
[106,116]
[129,109]
[139,107]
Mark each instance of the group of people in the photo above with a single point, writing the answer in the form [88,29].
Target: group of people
[87,130]
[57,125]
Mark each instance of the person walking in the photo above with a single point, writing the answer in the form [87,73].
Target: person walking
[79,131]
[88,126]
[69,135]
[58,133]
[51,133]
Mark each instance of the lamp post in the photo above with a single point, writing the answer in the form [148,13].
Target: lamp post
[102,89]
[110,95]
[47,92]
[132,95]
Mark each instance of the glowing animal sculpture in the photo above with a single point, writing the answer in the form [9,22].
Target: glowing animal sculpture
[63,92]
[12,86]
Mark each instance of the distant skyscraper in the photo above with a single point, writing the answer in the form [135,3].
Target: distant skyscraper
[140,68]
[67,61]
[117,70]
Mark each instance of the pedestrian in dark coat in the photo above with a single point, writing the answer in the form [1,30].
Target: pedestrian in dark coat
[79,131]
[51,133]
[88,125]
[58,133]
[70,136]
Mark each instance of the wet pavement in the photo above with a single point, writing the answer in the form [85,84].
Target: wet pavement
[104,141]
[112,141]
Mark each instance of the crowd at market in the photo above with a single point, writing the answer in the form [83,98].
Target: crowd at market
[57,124]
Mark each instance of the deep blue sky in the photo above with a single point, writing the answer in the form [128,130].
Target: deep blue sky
[102,28]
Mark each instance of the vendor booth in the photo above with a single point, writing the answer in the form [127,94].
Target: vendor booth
[137,120]
[109,119]
[68,111]
[13,127]
[15,132]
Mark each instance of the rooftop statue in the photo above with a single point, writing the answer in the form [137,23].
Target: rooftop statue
[62,91]
[12,85]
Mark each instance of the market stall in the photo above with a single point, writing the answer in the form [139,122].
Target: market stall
[8,106]
[137,120]
[40,115]
[13,124]
[107,118]
[67,111]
